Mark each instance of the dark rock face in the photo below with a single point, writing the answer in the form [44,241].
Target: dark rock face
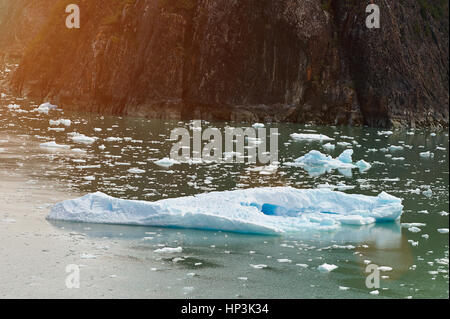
[401,70]
[250,60]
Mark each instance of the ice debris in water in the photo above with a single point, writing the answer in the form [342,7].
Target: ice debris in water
[45,108]
[81,138]
[258,125]
[310,137]
[327,268]
[169,250]
[60,122]
[54,145]
[271,210]
[166,162]
[316,163]
[427,155]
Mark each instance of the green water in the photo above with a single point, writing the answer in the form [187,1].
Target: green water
[222,261]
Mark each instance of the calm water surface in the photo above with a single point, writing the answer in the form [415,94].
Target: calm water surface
[218,264]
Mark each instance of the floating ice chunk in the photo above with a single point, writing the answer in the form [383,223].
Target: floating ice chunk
[428,193]
[427,155]
[169,250]
[284,260]
[363,165]
[384,268]
[166,162]
[344,144]
[325,268]
[60,122]
[261,266]
[88,256]
[310,137]
[395,148]
[81,138]
[386,133]
[316,163]
[13,106]
[374,292]
[46,107]
[414,229]
[329,147]
[259,210]
[346,157]
[443,230]
[136,171]
[54,145]
[258,125]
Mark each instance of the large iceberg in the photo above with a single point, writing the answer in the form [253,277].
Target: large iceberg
[272,210]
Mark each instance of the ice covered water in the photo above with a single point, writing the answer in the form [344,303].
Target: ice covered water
[117,156]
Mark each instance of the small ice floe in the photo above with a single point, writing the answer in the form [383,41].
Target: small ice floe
[8,220]
[427,154]
[310,137]
[169,250]
[343,288]
[443,230]
[428,192]
[260,266]
[302,265]
[374,292]
[136,171]
[395,148]
[243,278]
[258,125]
[81,138]
[316,163]
[166,162]
[363,165]
[326,268]
[384,268]
[45,108]
[414,229]
[264,170]
[13,106]
[284,260]
[413,243]
[60,122]
[409,225]
[54,145]
[88,256]
[329,147]
[386,133]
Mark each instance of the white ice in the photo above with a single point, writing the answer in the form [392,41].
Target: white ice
[46,107]
[166,162]
[317,163]
[258,210]
[54,145]
[310,137]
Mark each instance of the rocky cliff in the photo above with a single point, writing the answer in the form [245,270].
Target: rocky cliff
[250,60]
